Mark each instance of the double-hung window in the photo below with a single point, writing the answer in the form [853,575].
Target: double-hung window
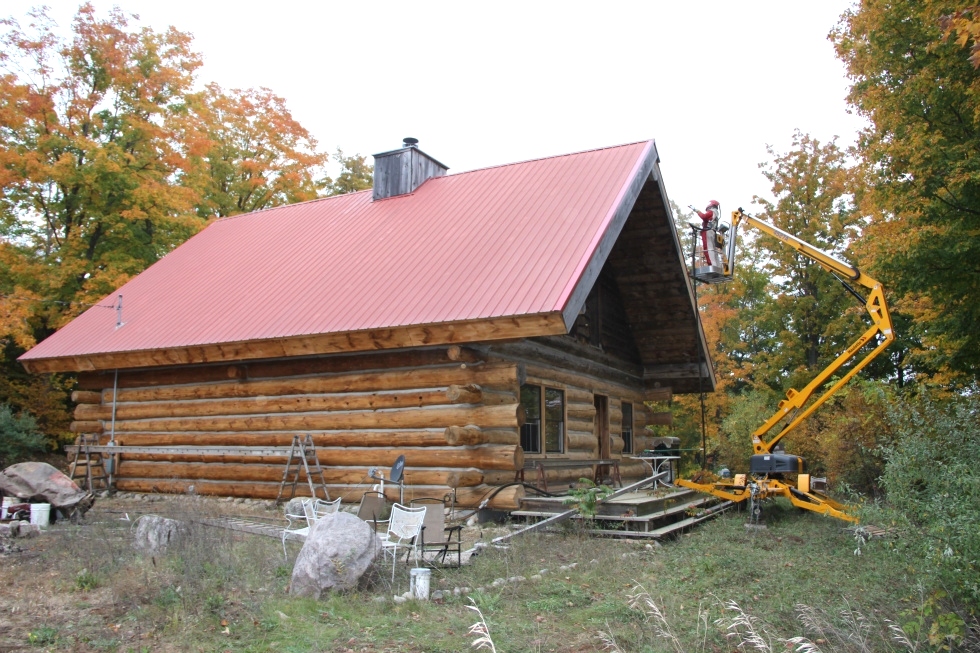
[544,419]
[627,428]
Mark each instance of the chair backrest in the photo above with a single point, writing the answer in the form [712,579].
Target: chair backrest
[372,507]
[405,523]
[309,510]
[306,513]
[322,508]
[435,518]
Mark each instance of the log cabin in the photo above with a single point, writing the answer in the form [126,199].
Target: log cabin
[475,323]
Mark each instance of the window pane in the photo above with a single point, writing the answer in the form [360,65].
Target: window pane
[554,420]
[531,400]
[627,428]
[531,431]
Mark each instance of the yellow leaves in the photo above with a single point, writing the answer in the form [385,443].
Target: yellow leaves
[964,26]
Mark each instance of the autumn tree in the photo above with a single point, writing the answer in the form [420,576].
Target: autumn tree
[88,157]
[247,153]
[355,174]
[813,188]
[919,90]
[109,159]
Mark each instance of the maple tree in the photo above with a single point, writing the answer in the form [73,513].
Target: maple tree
[919,90]
[812,185]
[109,158]
[355,174]
[247,153]
[88,158]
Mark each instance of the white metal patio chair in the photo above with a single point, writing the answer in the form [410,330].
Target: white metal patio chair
[322,508]
[404,527]
[299,525]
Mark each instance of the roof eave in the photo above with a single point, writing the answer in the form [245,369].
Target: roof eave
[418,335]
[647,169]
[614,226]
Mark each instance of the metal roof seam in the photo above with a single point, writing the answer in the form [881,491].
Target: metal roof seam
[487,243]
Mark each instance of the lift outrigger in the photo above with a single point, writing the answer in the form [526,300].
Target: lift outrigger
[770,470]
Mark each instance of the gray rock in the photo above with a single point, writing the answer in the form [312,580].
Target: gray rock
[154,534]
[24,529]
[399,599]
[337,553]
[293,507]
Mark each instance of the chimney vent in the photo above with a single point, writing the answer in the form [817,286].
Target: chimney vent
[401,171]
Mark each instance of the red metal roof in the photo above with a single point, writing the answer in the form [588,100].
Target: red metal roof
[503,241]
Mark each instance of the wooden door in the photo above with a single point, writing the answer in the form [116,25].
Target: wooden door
[602,424]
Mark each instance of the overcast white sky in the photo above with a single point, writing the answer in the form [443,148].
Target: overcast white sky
[487,83]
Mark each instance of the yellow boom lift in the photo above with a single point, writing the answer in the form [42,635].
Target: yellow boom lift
[771,470]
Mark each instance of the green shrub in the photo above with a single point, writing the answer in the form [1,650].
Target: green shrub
[586,497]
[748,412]
[932,482]
[19,437]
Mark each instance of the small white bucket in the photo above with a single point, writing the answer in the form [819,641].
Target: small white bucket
[41,514]
[7,502]
[419,578]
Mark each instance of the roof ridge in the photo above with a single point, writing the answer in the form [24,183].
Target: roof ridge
[456,174]
[545,158]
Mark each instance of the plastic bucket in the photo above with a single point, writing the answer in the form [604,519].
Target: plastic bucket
[419,578]
[41,514]
[7,502]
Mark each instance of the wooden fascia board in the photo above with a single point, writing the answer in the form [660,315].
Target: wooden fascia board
[702,339]
[674,371]
[576,300]
[447,333]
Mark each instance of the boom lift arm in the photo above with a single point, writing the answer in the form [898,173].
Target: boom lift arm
[768,467]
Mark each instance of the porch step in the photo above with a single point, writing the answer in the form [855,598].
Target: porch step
[641,522]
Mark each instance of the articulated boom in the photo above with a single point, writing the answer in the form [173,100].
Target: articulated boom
[769,466]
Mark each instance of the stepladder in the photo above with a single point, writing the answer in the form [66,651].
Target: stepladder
[303,462]
[88,469]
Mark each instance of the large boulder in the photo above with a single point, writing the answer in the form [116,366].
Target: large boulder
[155,534]
[40,482]
[338,551]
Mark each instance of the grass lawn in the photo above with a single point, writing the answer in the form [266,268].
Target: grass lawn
[86,589]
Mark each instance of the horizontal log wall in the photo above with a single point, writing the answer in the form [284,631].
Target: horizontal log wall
[453,416]
[453,412]
[582,375]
